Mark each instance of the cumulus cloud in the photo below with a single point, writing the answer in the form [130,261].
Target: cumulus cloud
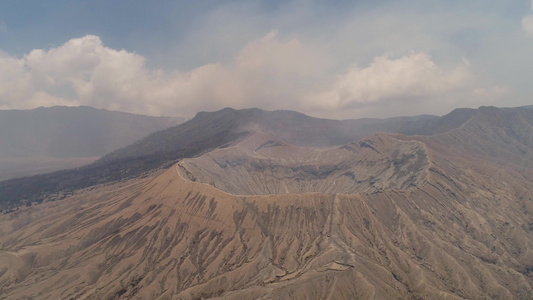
[83,71]
[388,79]
[269,73]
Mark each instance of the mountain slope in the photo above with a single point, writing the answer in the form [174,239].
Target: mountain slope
[503,134]
[59,134]
[288,126]
[463,233]
[207,131]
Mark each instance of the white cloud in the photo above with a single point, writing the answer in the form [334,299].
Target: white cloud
[387,79]
[527,24]
[265,73]
[268,73]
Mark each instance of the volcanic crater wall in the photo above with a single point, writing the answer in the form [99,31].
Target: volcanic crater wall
[262,165]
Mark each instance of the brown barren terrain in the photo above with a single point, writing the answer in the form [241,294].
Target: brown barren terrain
[421,219]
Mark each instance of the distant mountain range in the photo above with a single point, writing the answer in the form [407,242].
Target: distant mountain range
[48,139]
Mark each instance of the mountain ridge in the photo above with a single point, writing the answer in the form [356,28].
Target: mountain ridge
[207,131]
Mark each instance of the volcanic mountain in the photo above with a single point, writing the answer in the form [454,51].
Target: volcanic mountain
[208,131]
[446,215]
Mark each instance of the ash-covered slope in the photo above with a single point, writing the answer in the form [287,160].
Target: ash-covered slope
[465,232]
[262,165]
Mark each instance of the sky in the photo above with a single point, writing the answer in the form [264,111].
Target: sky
[332,59]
